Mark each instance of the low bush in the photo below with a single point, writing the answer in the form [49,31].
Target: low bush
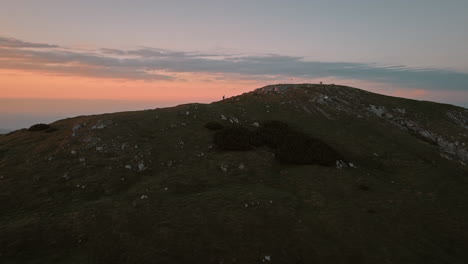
[271,133]
[213,125]
[51,129]
[234,138]
[38,127]
[288,145]
[299,148]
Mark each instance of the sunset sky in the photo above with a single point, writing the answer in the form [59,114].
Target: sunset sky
[61,58]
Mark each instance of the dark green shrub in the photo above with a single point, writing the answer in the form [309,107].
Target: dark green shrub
[299,148]
[234,138]
[51,129]
[271,133]
[213,125]
[288,145]
[38,127]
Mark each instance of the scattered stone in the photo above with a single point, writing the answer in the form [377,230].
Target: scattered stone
[377,110]
[100,124]
[255,124]
[352,165]
[400,110]
[73,152]
[241,166]
[341,164]
[99,148]
[76,128]
[459,118]
[128,167]
[234,120]
[224,167]
[144,197]
[141,166]
[223,117]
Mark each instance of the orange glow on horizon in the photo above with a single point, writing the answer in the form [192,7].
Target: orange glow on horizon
[189,86]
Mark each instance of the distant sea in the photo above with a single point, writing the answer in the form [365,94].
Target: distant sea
[4,131]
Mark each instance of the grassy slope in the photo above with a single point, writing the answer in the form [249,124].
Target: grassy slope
[415,210]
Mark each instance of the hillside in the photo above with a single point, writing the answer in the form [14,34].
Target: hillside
[153,187]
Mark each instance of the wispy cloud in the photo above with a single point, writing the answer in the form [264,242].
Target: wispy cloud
[158,64]
[15,43]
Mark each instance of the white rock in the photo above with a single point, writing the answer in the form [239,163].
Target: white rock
[73,152]
[268,258]
[99,148]
[241,166]
[144,197]
[128,167]
[141,166]
[75,129]
[377,110]
[223,117]
[224,167]
[340,164]
[256,124]
[102,124]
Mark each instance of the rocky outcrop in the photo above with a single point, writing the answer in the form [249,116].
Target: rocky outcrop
[451,149]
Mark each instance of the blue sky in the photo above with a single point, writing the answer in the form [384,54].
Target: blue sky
[422,33]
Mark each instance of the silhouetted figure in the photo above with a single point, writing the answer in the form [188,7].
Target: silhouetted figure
[223,97]
[320,82]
